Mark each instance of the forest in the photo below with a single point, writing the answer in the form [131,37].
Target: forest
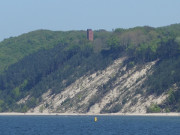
[37,61]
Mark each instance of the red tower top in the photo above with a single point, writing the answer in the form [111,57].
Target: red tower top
[90,34]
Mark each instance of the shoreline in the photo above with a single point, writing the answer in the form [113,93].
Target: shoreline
[87,114]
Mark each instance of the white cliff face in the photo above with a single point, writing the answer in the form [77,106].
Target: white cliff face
[126,94]
[85,95]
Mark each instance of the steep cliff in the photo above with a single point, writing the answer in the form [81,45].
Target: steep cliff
[125,71]
[114,89]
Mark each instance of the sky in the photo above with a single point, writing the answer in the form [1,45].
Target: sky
[22,16]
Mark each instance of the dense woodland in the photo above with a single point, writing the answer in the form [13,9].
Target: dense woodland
[35,62]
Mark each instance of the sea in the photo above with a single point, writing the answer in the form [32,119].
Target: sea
[85,125]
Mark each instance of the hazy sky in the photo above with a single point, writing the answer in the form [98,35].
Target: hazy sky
[22,16]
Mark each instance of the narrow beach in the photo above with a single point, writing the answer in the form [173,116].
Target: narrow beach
[86,114]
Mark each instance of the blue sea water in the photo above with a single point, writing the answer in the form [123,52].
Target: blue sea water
[85,125]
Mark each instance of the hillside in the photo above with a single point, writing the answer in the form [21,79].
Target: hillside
[127,70]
